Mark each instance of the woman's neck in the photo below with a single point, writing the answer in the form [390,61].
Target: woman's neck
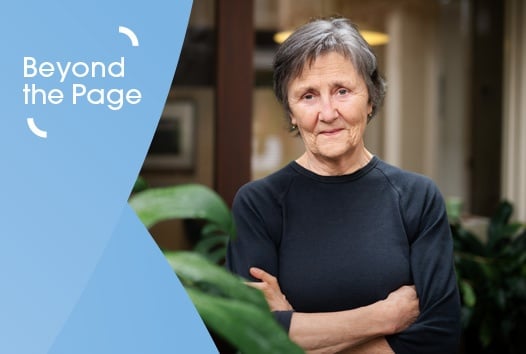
[335,167]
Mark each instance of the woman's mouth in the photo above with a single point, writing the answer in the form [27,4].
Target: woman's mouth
[330,132]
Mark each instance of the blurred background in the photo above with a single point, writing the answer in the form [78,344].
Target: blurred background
[453,110]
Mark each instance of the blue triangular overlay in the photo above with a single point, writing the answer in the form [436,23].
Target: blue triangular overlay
[133,303]
[68,166]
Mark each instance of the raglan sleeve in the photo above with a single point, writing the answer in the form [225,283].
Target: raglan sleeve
[258,220]
[437,329]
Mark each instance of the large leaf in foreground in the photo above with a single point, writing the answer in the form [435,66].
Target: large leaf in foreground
[197,272]
[188,201]
[247,327]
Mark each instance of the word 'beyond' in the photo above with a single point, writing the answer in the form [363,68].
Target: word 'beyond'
[78,69]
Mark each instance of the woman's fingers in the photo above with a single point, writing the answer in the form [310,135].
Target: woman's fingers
[260,274]
[255,284]
[269,285]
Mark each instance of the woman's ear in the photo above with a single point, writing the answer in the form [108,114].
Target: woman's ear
[292,120]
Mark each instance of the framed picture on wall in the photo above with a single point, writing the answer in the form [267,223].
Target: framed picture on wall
[173,145]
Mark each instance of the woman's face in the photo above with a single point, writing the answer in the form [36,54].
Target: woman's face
[329,103]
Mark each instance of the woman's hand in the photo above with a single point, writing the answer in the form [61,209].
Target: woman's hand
[401,308]
[270,287]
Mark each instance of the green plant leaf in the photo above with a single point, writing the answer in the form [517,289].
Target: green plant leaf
[486,332]
[247,327]
[208,244]
[212,247]
[498,222]
[466,314]
[466,241]
[502,214]
[468,294]
[195,271]
[211,229]
[217,256]
[139,185]
[189,201]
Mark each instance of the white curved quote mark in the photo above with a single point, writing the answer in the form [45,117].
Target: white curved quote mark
[36,130]
[131,35]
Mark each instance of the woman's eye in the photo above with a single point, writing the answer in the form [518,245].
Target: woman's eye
[308,96]
[342,91]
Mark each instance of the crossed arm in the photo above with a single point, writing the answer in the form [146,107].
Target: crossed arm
[361,330]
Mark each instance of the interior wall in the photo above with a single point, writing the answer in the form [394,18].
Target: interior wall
[411,113]
[194,82]
[272,146]
[375,132]
[201,171]
[453,157]
[514,132]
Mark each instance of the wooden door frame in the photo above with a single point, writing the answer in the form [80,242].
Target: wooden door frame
[233,96]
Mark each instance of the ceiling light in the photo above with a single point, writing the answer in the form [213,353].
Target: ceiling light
[372,37]
[279,37]
[375,38]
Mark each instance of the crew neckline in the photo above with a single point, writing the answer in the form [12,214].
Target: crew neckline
[339,178]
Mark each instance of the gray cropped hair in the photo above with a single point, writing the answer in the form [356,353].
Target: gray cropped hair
[322,36]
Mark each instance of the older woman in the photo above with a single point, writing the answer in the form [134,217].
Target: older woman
[338,240]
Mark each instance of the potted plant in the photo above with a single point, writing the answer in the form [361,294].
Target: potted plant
[492,282]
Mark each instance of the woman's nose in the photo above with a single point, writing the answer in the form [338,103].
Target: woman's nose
[328,110]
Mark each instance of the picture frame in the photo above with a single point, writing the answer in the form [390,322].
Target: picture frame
[173,144]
